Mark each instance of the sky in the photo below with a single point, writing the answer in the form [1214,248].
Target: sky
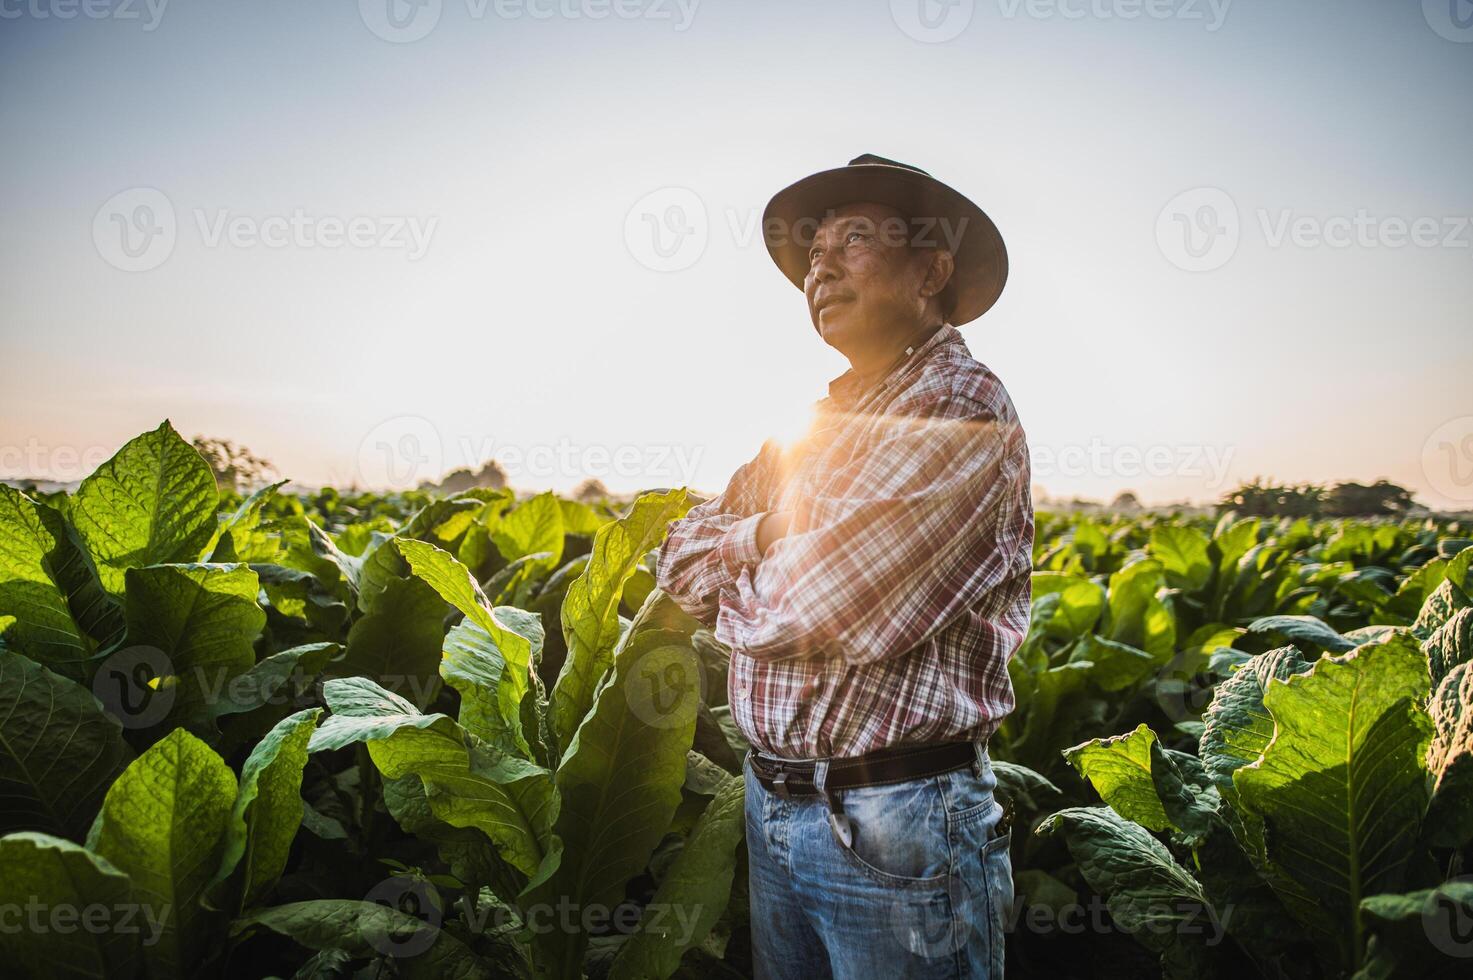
[375,241]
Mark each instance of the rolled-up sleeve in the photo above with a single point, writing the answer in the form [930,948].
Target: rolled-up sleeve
[893,546]
[716,541]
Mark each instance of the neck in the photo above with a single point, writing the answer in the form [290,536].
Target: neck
[875,364]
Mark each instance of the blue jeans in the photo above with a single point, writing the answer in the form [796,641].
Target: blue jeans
[924,890]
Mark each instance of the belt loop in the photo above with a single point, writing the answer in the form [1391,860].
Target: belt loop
[981,746]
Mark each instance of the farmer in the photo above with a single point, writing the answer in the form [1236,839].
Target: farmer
[872,582]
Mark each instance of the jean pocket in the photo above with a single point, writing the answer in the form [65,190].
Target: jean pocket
[900,834]
[997,874]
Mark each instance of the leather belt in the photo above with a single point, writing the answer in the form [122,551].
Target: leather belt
[897,764]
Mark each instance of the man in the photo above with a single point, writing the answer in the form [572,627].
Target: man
[872,582]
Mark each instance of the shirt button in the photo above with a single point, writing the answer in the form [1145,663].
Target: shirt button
[742,692]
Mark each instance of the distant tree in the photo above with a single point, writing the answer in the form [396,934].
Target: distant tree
[235,467]
[1382,498]
[590,490]
[1125,501]
[491,476]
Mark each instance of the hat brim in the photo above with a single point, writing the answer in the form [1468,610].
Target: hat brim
[981,258]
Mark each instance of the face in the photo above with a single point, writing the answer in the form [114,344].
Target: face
[865,282]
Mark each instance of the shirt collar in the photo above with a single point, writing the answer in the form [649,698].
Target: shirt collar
[848,388]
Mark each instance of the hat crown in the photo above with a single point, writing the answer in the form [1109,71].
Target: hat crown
[870,159]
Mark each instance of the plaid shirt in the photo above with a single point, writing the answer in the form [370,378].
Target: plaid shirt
[888,612]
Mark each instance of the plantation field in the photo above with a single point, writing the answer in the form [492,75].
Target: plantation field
[403,735]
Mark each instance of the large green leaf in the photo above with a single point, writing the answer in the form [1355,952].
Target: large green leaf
[398,641]
[267,813]
[488,658]
[1182,551]
[1342,786]
[535,526]
[692,895]
[204,619]
[1119,768]
[163,823]
[510,800]
[1450,645]
[1306,632]
[1238,728]
[1420,935]
[151,504]
[1450,758]
[241,536]
[419,947]
[63,882]
[1148,894]
[590,612]
[58,750]
[1137,617]
[620,778]
[44,585]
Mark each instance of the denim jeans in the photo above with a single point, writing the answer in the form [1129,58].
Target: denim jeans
[924,889]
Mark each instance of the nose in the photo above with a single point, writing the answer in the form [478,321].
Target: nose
[825,268]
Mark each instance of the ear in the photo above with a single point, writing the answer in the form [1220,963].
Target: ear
[939,268]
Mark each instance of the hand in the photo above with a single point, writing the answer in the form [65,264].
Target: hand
[773,526]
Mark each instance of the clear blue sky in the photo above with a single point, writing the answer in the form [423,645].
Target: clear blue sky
[534,315]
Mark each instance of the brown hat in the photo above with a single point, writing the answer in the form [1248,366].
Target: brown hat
[939,216]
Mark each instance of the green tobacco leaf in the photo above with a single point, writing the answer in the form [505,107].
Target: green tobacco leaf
[1116,666]
[508,799]
[581,519]
[419,947]
[620,778]
[1148,894]
[534,526]
[1238,727]
[1450,645]
[275,680]
[1450,758]
[488,658]
[1440,606]
[267,813]
[151,504]
[1078,608]
[1305,632]
[1421,934]
[1137,617]
[590,611]
[63,878]
[399,639]
[58,750]
[50,606]
[1342,787]
[241,538]
[204,618]
[163,823]
[693,893]
[1119,768]
[1182,552]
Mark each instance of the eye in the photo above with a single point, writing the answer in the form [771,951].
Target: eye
[813,255]
[853,236]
